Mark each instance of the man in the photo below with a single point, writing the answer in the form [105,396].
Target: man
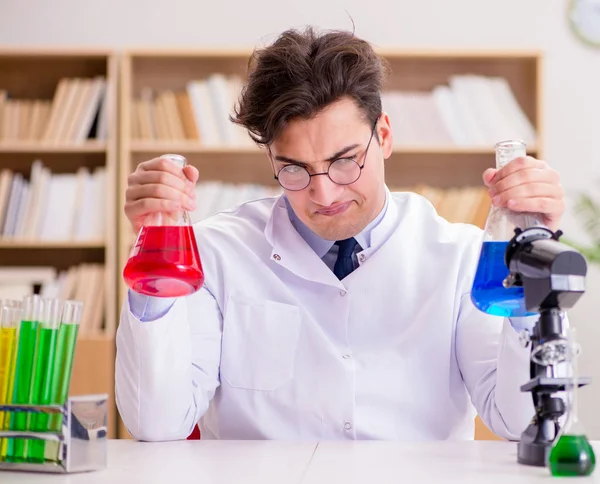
[339,310]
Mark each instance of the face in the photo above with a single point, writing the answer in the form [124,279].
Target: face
[332,211]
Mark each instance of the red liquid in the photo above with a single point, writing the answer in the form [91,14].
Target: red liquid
[165,262]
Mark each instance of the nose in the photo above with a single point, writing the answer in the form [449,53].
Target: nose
[323,191]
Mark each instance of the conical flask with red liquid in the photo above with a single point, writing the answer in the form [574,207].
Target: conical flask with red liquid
[165,261]
[489,293]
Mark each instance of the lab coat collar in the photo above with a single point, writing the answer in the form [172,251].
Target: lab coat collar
[318,244]
[322,246]
[388,224]
[291,251]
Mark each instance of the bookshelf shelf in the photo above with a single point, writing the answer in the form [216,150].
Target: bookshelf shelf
[28,147]
[59,245]
[58,165]
[448,150]
[196,148]
[189,147]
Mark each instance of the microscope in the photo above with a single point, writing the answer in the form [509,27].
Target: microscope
[552,276]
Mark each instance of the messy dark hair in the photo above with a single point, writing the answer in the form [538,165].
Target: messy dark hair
[301,73]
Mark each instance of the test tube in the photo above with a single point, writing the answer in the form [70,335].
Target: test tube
[44,371]
[24,372]
[10,316]
[67,338]
[63,366]
[8,338]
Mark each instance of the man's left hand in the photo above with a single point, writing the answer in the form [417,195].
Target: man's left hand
[528,185]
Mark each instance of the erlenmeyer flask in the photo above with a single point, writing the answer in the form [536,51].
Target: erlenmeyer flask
[165,262]
[572,453]
[488,293]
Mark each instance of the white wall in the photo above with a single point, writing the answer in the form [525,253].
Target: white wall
[572,70]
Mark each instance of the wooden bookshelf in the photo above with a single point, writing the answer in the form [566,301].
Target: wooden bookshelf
[29,76]
[66,244]
[442,165]
[39,147]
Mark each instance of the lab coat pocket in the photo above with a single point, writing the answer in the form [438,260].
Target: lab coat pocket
[259,344]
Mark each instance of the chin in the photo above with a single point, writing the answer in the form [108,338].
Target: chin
[336,231]
[338,227]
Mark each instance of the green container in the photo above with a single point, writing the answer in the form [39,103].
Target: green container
[24,374]
[571,453]
[45,348]
[45,373]
[63,368]
[572,456]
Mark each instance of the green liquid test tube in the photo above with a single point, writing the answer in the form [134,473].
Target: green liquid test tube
[63,366]
[24,373]
[10,317]
[44,373]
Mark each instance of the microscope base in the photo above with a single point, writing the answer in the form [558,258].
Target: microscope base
[533,453]
[538,438]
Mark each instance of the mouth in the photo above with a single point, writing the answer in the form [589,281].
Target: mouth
[335,209]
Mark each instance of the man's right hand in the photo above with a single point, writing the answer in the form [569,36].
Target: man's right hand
[159,185]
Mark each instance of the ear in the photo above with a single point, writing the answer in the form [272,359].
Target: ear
[384,132]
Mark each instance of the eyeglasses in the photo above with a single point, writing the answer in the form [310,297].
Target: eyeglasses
[343,171]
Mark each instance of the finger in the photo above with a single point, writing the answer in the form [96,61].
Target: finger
[544,205]
[192,173]
[518,164]
[522,177]
[488,175]
[160,178]
[162,164]
[528,190]
[158,191]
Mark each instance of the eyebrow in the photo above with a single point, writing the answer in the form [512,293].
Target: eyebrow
[334,157]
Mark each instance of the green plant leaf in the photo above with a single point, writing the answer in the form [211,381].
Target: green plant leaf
[589,212]
[592,254]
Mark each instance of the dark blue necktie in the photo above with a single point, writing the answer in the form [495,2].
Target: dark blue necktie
[344,264]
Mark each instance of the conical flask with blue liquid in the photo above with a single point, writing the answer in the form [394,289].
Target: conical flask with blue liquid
[490,293]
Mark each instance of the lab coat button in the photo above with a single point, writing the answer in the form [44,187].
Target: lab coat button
[362,257]
[276,257]
[342,293]
[345,357]
[348,426]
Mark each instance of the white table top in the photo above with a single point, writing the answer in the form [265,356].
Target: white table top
[488,462]
[266,462]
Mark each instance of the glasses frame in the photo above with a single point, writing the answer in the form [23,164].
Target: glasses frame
[310,175]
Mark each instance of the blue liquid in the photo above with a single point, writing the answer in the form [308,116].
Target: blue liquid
[488,294]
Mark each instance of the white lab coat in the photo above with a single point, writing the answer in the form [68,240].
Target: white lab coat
[276,347]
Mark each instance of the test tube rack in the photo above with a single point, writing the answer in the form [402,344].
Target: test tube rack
[82,441]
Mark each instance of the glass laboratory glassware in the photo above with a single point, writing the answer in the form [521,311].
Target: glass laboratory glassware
[165,262]
[489,293]
[44,372]
[10,317]
[27,343]
[63,368]
[572,453]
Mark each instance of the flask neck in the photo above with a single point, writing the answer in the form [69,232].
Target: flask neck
[572,424]
[180,218]
[506,151]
